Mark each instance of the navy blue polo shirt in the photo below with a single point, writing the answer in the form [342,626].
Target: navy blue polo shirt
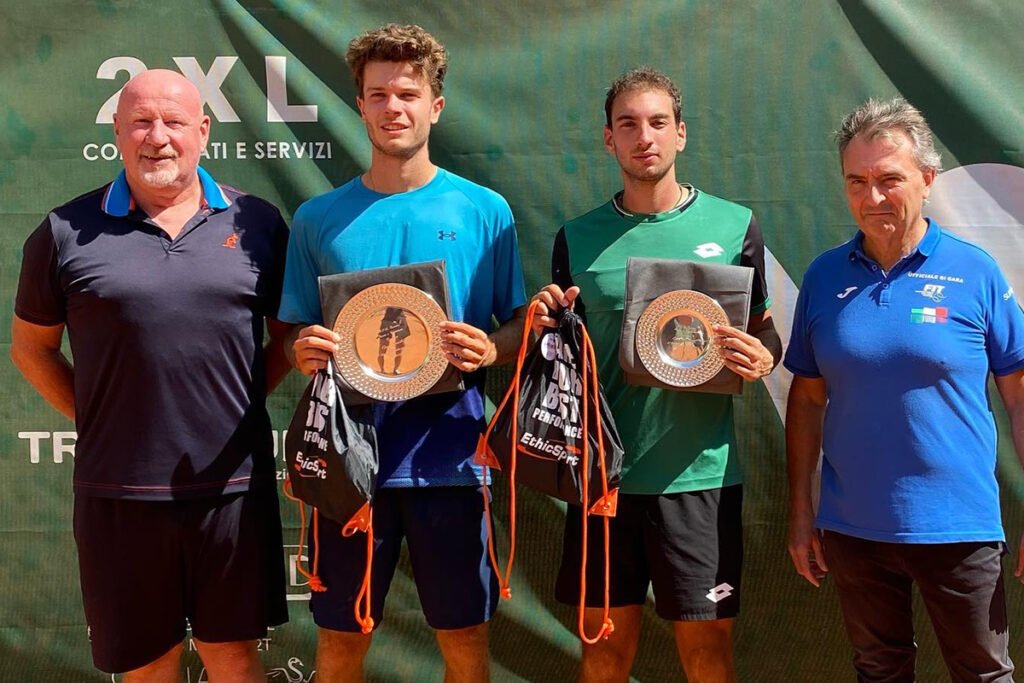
[166,338]
[909,437]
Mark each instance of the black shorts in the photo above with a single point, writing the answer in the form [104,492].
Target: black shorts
[445,529]
[688,545]
[147,566]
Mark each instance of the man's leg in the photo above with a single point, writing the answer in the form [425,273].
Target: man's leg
[130,559]
[465,653]
[165,669]
[695,546]
[236,662]
[341,645]
[609,660]
[446,531]
[962,587]
[236,579]
[705,650]
[875,598]
[340,655]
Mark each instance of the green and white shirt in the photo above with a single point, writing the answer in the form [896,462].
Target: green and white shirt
[675,441]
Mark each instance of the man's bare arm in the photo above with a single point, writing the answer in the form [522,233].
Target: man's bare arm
[1011,389]
[805,413]
[277,364]
[35,351]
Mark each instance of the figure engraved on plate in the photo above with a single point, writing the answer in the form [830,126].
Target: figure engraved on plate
[684,339]
[393,349]
[393,326]
[392,342]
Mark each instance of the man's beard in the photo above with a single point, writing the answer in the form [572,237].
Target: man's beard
[162,178]
[165,176]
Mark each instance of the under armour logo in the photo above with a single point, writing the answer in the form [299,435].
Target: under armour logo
[231,242]
[442,235]
[709,250]
[719,592]
[845,293]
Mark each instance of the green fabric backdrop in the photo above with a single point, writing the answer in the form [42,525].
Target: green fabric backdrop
[763,85]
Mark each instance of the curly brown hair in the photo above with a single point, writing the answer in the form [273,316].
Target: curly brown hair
[642,78]
[396,43]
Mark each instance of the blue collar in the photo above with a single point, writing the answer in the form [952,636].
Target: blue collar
[926,247]
[118,201]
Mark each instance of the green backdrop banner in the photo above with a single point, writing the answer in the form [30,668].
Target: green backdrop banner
[763,85]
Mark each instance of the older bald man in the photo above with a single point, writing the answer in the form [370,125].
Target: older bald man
[164,280]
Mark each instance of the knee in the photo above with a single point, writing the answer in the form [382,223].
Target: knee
[469,639]
[341,646]
[237,660]
[705,643]
[608,661]
[167,665]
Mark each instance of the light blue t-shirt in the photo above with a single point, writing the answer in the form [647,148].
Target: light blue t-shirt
[909,437]
[429,440]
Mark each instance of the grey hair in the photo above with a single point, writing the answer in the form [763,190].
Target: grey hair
[876,118]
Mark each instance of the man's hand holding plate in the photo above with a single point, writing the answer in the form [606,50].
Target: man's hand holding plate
[466,347]
[743,353]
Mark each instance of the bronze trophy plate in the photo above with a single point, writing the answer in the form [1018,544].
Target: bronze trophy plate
[390,348]
[674,338]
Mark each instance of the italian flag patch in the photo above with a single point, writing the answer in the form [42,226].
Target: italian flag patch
[928,315]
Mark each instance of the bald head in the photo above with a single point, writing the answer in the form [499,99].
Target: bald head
[161,83]
[161,132]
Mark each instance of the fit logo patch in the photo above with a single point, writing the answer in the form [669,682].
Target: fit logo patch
[933,292]
[719,592]
[845,293]
[929,316]
[231,242]
[446,235]
[1008,294]
[709,250]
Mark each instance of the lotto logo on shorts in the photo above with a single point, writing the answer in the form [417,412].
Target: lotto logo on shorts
[719,592]
[928,315]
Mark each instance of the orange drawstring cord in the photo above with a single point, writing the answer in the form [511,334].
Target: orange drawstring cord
[505,578]
[363,521]
[590,381]
[315,584]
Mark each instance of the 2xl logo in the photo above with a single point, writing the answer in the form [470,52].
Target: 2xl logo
[209,84]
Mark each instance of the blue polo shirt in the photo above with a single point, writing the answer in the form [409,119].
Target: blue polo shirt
[909,437]
[166,338]
[429,440]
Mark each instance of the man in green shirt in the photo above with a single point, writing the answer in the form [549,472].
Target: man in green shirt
[679,516]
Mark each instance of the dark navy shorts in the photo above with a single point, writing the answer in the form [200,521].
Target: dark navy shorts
[688,546]
[147,566]
[446,531]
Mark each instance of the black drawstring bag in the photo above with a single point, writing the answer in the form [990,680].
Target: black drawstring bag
[331,459]
[567,445]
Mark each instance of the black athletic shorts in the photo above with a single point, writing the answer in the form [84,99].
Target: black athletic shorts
[445,529]
[688,545]
[147,566]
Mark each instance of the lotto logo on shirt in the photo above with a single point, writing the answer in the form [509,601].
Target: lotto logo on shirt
[928,315]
